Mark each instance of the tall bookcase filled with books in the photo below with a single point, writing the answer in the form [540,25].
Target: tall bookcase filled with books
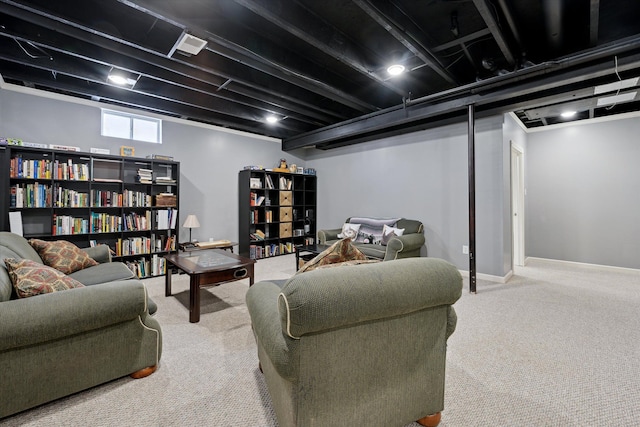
[127,203]
[277,212]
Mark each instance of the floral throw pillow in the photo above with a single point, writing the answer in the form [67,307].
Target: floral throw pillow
[340,251]
[31,278]
[62,255]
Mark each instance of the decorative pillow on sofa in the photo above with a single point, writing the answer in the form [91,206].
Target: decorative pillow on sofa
[389,232]
[349,230]
[32,278]
[370,230]
[340,251]
[62,255]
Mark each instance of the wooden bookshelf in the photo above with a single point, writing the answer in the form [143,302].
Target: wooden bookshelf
[92,199]
[277,212]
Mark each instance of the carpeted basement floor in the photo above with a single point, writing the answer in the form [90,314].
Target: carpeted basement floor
[558,345]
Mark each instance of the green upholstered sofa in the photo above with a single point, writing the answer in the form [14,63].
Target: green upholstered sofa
[356,345]
[56,344]
[405,246]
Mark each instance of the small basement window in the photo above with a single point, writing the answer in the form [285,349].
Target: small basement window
[117,124]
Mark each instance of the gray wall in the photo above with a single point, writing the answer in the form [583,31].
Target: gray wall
[209,158]
[583,193]
[424,176]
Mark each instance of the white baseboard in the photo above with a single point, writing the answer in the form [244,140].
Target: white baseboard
[583,264]
[489,277]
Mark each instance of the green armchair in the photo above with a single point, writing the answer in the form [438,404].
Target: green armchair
[361,345]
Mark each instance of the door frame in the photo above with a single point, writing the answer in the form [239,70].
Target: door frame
[517,206]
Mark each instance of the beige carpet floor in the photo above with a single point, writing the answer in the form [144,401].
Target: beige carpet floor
[558,345]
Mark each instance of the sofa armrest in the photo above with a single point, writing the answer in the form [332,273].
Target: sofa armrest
[100,253]
[262,303]
[405,243]
[48,317]
[452,320]
[325,236]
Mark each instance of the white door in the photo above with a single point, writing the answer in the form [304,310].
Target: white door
[517,204]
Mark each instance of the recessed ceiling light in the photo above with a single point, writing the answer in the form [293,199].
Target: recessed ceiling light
[568,114]
[122,78]
[395,69]
[272,119]
[117,79]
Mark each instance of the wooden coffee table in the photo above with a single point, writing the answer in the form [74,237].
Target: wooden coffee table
[209,267]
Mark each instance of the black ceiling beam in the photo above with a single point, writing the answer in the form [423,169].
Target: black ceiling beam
[240,55]
[243,56]
[99,56]
[511,22]
[594,21]
[131,99]
[63,65]
[492,24]
[118,45]
[500,94]
[316,34]
[382,17]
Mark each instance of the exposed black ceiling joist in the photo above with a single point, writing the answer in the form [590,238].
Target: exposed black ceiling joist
[315,65]
[506,94]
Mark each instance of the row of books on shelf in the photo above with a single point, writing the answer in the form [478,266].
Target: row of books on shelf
[259,251]
[100,222]
[65,225]
[256,200]
[145,245]
[68,198]
[144,267]
[145,176]
[47,169]
[255,217]
[129,198]
[32,195]
[285,183]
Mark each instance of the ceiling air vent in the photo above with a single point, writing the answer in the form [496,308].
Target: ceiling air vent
[189,45]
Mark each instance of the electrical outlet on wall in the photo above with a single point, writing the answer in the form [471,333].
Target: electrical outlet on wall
[465,249]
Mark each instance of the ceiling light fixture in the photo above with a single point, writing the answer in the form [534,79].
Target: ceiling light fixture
[568,114]
[272,119]
[123,78]
[395,69]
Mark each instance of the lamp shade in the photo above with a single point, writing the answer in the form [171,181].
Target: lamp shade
[191,222]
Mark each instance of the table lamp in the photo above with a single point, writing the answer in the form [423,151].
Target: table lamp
[190,223]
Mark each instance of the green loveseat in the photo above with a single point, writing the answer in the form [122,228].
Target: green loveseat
[56,344]
[406,246]
[356,345]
